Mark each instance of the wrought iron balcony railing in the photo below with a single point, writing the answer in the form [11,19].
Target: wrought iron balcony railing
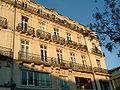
[82,47]
[75,45]
[81,67]
[58,39]
[34,58]
[100,70]
[3,22]
[43,35]
[48,61]
[25,29]
[5,52]
[96,51]
[51,17]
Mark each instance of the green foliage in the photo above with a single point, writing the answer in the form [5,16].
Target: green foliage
[107,25]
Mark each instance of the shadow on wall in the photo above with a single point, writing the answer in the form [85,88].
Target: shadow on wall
[31,77]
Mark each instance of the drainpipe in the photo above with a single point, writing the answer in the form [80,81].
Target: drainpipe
[13,47]
[91,66]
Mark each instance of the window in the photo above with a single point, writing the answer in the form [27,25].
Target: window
[73,60]
[98,63]
[93,46]
[56,32]
[31,78]
[84,58]
[79,40]
[44,80]
[39,11]
[59,56]
[83,83]
[68,37]
[24,23]
[63,82]
[105,85]
[27,78]
[42,27]
[24,5]
[43,53]
[24,48]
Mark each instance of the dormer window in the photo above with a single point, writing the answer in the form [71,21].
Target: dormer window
[39,11]
[93,46]
[24,5]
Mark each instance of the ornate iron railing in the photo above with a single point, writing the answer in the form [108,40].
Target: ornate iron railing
[58,39]
[43,35]
[96,51]
[3,22]
[5,52]
[25,29]
[100,70]
[82,47]
[81,67]
[35,58]
[51,17]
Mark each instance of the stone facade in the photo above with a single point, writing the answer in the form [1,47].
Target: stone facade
[41,49]
[115,78]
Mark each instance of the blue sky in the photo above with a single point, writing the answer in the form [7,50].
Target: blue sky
[81,11]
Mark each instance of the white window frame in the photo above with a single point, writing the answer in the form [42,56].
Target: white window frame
[84,60]
[79,40]
[44,79]
[24,22]
[59,56]
[28,78]
[98,63]
[73,59]
[24,47]
[69,37]
[44,49]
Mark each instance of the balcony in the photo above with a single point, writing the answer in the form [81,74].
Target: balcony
[43,35]
[96,51]
[5,52]
[69,43]
[82,47]
[3,22]
[75,45]
[26,30]
[100,70]
[27,57]
[58,39]
[80,67]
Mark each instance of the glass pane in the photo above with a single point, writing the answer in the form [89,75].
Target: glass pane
[24,77]
[42,56]
[36,79]
[45,56]
[22,41]
[30,78]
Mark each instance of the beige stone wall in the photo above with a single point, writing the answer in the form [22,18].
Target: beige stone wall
[6,40]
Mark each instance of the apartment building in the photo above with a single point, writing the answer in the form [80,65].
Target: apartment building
[41,49]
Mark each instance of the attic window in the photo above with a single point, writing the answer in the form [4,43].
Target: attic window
[39,11]
[24,5]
